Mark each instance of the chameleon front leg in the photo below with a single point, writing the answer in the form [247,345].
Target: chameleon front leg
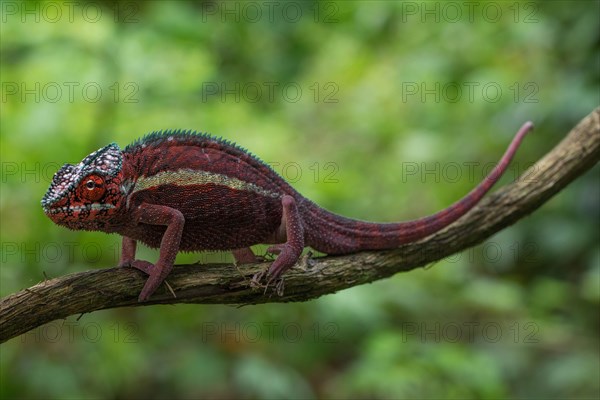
[128,257]
[128,246]
[290,251]
[169,245]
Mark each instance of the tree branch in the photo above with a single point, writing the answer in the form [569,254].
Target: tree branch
[223,284]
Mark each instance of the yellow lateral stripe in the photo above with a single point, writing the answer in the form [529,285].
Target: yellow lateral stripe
[185,177]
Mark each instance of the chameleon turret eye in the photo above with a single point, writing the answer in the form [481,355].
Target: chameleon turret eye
[92,188]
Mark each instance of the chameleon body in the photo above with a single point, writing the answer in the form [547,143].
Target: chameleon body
[184,191]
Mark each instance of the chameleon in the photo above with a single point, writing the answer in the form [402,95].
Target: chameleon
[179,190]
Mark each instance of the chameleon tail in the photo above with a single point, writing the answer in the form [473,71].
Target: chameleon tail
[334,234]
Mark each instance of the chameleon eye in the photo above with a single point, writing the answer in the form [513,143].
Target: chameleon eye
[92,188]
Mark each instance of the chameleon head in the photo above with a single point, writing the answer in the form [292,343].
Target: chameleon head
[87,195]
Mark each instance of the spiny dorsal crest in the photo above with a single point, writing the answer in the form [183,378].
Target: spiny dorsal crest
[106,161]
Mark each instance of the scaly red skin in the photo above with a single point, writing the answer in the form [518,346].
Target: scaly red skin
[182,191]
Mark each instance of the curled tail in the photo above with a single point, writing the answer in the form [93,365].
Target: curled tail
[334,234]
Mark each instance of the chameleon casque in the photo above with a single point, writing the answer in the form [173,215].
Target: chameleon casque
[184,191]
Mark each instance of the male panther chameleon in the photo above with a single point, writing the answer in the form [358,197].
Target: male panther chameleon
[184,191]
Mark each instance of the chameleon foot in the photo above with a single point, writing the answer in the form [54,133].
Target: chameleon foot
[151,284]
[141,265]
[256,281]
[260,277]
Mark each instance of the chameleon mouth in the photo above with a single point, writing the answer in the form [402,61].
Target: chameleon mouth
[76,209]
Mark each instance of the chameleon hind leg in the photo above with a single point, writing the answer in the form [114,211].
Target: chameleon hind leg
[245,256]
[290,251]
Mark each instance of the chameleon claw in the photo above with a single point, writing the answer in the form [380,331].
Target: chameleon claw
[280,286]
[256,281]
[259,277]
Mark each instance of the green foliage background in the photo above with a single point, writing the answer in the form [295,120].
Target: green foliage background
[514,317]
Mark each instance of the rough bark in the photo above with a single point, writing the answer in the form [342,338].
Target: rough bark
[223,284]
